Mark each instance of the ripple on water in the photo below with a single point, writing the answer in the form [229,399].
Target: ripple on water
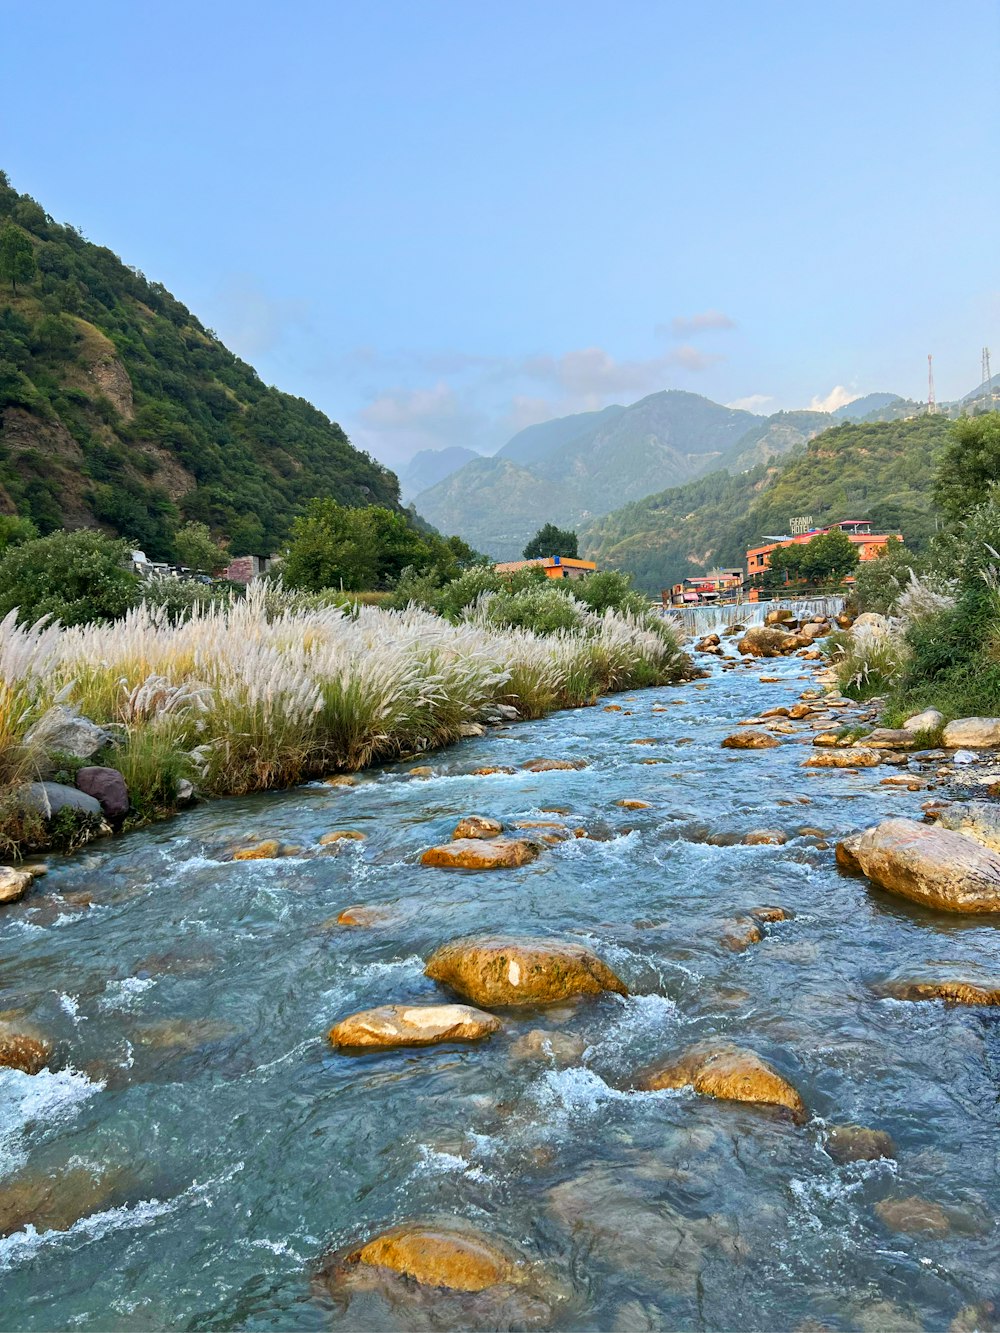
[45,1102]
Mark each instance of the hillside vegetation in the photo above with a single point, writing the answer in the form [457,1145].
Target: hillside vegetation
[118,408]
[882,471]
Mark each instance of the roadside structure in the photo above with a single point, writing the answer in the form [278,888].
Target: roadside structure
[555,566]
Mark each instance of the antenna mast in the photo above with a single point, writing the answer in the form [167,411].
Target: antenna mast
[987,380]
[931,404]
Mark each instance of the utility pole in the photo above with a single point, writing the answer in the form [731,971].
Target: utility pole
[931,404]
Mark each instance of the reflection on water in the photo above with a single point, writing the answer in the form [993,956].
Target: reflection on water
[201,1146]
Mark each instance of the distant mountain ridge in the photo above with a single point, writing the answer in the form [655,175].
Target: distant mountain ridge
[429,466]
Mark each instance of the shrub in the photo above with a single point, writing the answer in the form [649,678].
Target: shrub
[73,577]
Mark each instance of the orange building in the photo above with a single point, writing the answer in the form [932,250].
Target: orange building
[859,530]
[555,566]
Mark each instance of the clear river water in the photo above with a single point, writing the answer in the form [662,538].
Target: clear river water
[188,998]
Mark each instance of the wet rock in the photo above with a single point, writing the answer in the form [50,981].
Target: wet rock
[261,851]
[56,1201]
[470,730]
[775,712]
[645,740]
[890,738]
[491,769]
[107,786]
[929,720]
[769,680]
[182,1034]
[972,733]
[799,711]
[854,756]
[422,771]
[14,884]
[630,804]
[341,780]
[612,708]
[742,931]
[765,837]
[979,820]
[857,1143]
[553,765]
[413,1025]
[779,615]
[771,913]
[827,739]
[729,1073]
[524,970]
[913,1216]
[750,740]
[957,984]
[23,1048]
[481,854]
[846,853]
[560,1048]
[50,798]
[764,641]
[364,916]
[931,866]
[477,826]
[342,835]
[64,731]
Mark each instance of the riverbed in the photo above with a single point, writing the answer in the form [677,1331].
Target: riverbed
[188,997]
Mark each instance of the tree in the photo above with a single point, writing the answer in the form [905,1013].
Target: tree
[970,465]
[830,556]
[17,256]
[75,577]
[197,548]
[550,540]
[331,546]
[785,565]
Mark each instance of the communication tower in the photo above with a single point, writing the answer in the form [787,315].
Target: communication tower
[931,404]
[988,394]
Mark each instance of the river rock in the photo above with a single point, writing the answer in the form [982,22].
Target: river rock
[413,1025]
[55,1201]
[853,756]
[750,740]
[798,711]
[846,853]
[630,804]
[477,826]
[553,765]
[872,620]
[14,884]
[930,865]
[470,730]
[765,837]
[890,738]
[360,915]
[490,770]
[340,780]
[561,1048]
[814,629]
[741,932]
[778,615]
[481,854]
[107,786]
[520,970]
[449,1254]
[957,984]
[972,733]
[913,1215]
[64,731]
[979,820]
[422,772]
[342,835]
[727,1072]
[857,1143]
[23,1049]
[49,798]
[775,712]
[261,851]
[765,641]
[929,720]
[771,913]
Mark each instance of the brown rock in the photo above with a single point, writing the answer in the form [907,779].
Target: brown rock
[364,916]
[477,826]
[954,985]
[21,1049]
[630,804]
[421,771]
[847,854]
[481,854]
[890,738]
[765,836]
[447,1254]
[750,740]
[341,780]
[854,756]
[913,1216]
[263,851]
[741,933]
[764,641]
[342,835]
[771,913]
[489,771]
[645,740]
[930,865]
[553,765]
[972,733]
[14,884]
[856,1143]
[775,712]
[827,739]
[413,1025]
[800,710]
[729,1073]
[560,1048]
[612,708]
[508,970]
[55,1202]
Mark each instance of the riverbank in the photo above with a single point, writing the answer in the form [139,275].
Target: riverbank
[221,1147]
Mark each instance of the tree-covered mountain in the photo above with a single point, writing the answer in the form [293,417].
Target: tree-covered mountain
[429,466]
[882,471]
[118,408]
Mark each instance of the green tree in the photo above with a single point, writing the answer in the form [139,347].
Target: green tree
[828,557]
[331,546]
[17,256]
[970,465]
[197,548]
[550,540]
[14,530]
[75,577]
[784,566]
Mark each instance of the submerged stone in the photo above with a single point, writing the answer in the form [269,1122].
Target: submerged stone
[857,1143]
[765,837]
[261,851]
[913,1215]
[852,756]
[56,1201]
[559,1048]
[508,970]
[342,835]
[727,1072]
[553,765]
[954,985]
[449,1254]
[481,854]
[413,1025]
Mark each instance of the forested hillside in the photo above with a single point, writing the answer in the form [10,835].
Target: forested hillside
[118,408]
[881,471]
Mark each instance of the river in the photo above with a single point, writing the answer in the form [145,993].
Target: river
[188,997]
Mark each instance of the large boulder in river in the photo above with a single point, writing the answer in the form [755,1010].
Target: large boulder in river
[751,739]
[450,1254]
[731,1073]
[972,733]
[979,820]
[107,786]
[413,1025]
[766,641]
[929,865]
[520,970]
[853,756]
[50,798]
[481,854]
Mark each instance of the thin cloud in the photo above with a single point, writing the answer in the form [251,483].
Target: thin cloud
[839,396]
[753,402]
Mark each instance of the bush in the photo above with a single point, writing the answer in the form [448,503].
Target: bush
[74,577]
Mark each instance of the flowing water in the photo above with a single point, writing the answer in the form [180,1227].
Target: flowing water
[189,996]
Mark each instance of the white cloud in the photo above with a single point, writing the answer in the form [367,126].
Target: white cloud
[839,396]
[400,421]
[753,402]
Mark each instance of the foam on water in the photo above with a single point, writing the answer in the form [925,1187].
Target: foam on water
[124,994]
[46,1099]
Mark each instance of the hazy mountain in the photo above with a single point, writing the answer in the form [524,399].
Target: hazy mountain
[429,466]
[537,442]
[868,407]
[773,437]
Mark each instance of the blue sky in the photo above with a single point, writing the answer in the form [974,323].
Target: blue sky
[443,221]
